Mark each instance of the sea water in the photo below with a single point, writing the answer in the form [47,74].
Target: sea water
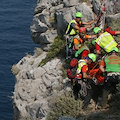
[15,41]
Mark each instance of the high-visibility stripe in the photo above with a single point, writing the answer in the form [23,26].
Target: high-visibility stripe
[108,44]
[72,31]
[67,29]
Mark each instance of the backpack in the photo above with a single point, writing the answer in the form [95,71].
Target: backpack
[71,71]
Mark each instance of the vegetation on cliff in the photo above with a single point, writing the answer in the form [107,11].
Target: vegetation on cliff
[56,49]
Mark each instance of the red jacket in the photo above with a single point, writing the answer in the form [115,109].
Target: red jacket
[110,31]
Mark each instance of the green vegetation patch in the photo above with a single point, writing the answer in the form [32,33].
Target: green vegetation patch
[56,49]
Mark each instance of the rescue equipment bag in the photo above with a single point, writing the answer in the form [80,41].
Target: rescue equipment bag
[72,69]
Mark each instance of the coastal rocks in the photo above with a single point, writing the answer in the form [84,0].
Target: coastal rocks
[35,86]
[56,15]
[70,3]
[52,17]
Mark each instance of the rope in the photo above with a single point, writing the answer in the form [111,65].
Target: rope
[84,87]
[104,6]
[101,15]
[83,90]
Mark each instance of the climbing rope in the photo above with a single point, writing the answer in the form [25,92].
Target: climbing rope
[104,7]
[84,87]
[101,16]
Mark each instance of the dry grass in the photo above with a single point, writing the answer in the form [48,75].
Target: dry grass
[15,70]
[64,105]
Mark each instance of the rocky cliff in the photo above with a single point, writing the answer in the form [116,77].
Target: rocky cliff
[35,87]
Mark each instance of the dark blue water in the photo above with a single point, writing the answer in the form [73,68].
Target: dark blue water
[15,41]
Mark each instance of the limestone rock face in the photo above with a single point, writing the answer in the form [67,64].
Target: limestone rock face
[51,17]
[35,86]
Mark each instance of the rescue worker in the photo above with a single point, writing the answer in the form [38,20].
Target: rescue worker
[81,74]
[107,29]
[75,24]
[80,50]
[110,65]
[104,41]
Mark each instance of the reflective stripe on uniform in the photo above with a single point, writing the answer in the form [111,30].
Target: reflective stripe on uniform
[108,44]
[68,28]
[81,63]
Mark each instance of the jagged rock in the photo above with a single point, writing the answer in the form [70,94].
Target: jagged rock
[35,86]
[44,17]
[63,17]
[86,10]
[38,26]
[37,109]
[70,3]
[38,72]
[58,16]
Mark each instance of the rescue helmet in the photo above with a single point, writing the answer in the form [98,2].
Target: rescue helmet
[82,29]
[78,14]
[96,30]
[92,56]
[114,49]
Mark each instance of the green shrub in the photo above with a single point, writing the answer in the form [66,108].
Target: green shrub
[56,49]
[64,105]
